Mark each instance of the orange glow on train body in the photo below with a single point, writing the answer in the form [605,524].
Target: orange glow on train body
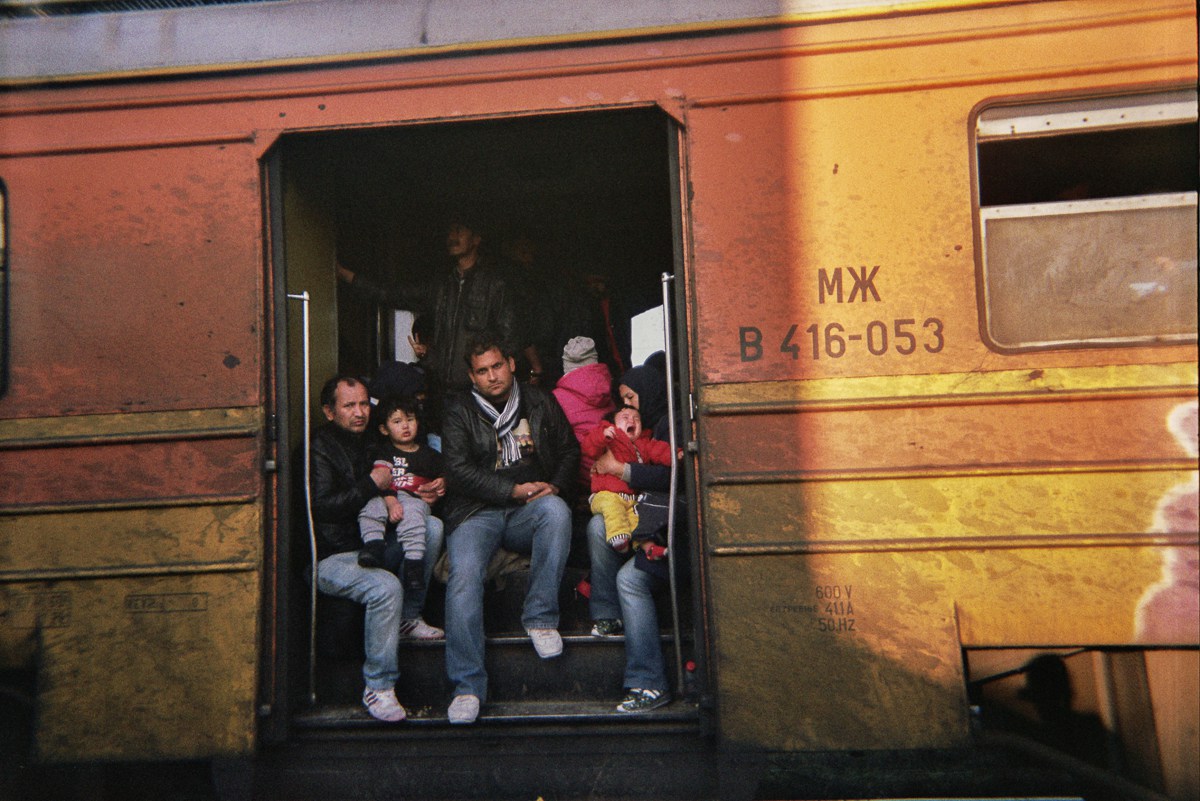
[916,455]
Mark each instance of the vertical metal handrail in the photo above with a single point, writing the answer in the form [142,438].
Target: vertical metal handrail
[379,335]
[303,297]
[667,280]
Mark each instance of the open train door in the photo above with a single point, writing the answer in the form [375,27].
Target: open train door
[599,192]
[689,609]
[304,315]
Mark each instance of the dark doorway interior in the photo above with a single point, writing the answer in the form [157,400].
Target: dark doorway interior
[592,190]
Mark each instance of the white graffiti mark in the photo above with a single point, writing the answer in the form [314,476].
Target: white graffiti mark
[1169,611]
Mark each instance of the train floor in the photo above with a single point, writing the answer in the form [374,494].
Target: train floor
[563,770]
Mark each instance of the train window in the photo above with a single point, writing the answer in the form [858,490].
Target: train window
[1087,221]
[647,334]
[3,289]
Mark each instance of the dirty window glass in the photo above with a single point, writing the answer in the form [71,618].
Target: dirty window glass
[1087,216]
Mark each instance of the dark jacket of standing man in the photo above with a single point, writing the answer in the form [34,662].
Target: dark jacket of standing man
[463,301]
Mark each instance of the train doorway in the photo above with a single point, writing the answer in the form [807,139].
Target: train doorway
[589,201]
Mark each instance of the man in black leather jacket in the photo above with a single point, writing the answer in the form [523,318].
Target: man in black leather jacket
[467,298]
[343,481]
[509,453]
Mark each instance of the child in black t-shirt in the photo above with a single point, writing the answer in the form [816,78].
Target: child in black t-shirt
[413,464]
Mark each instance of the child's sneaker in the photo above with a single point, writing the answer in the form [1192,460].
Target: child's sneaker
[639,700]
[619,543]
[413,575]
[417,629]
[371,554]
[607,627]
[382,705]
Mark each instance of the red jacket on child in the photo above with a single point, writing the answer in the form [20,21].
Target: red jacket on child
[645,450]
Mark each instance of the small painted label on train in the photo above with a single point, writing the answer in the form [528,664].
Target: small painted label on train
[167,602]
[903,336]
[793,609]
[836,625]
[836,602]
[861,285]
[48,610]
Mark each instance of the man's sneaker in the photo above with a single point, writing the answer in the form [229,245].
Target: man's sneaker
[546,642]
[643,700]
[607,627]
[463,709]
[417,629]
[371,554]
[382,704]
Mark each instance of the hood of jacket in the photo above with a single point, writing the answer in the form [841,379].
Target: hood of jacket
[590,384]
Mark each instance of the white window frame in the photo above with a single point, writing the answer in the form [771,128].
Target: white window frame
[1043,119]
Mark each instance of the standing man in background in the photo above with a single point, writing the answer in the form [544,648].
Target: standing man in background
[465,299]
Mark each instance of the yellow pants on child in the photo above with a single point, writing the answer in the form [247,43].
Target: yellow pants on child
[619,510]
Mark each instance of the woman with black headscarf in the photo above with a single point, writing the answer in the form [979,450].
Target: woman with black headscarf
[645,389]
[623,588]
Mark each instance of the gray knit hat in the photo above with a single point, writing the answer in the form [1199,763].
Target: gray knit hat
[579,352]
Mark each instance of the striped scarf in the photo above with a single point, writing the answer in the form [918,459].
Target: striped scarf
[504,421]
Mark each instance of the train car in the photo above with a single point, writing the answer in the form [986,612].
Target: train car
[929,275]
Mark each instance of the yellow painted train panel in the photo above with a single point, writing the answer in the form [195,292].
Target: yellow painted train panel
[899,511]
[167,662]
[863,650]
[172,538]
[1066,596]
[1105,380]
[845,650]
[1120,432]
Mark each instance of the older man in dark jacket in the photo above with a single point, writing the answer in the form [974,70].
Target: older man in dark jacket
[343,481]
[509,452]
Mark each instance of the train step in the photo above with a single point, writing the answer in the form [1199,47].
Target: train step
[519,752]
[588,669]
[680,715]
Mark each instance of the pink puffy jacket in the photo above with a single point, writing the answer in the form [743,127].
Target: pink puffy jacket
[585,395]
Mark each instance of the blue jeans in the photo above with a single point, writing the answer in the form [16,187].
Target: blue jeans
[380,591]
[541,529]
[621,590]
[603,604]
[644,667]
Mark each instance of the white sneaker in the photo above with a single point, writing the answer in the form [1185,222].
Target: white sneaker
[546,642]
[417,629]
[463,709]
[382,705]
